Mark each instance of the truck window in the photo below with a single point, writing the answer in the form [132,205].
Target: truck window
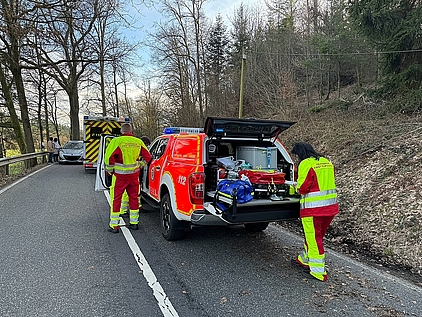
[96,133]
[186,150]
[116,131]
[158,148]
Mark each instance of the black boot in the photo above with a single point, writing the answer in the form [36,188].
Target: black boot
[133,226]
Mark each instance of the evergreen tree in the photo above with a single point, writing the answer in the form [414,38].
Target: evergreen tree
[216,52]
[395,28]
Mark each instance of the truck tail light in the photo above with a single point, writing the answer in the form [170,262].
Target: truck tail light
[295,174]
[196,188]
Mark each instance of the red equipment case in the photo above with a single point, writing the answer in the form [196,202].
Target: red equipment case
[263,177]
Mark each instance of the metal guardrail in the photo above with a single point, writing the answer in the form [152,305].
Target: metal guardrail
[19,158]
[6,161]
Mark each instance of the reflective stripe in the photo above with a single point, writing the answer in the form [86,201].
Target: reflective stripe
[114,223]
[316,269]
[118,165]
[321,193]
[225,195]
[303,259]
[320,203]
[134,216]
[126,172]
[114,219]
[318,261]
[126,169]
[109,168]
[317,266]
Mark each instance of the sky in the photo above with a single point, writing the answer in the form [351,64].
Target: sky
[212,7]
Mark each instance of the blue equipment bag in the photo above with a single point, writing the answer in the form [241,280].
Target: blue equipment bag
[237,190]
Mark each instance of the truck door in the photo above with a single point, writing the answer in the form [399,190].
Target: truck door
[102,181]
[156,166]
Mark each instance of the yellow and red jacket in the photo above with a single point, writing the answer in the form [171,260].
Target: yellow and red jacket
[123,155]
[316,184]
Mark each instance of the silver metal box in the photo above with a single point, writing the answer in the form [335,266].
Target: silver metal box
[258,157]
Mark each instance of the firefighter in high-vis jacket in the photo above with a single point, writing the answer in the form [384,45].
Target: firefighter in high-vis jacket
[318,206]
[122,160]
[124,207]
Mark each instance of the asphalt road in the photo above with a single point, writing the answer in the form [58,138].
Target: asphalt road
[59,260]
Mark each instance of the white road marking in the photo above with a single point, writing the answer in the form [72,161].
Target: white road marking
[163,301]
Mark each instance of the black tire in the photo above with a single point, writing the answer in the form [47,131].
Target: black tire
[171,228]
[256,227]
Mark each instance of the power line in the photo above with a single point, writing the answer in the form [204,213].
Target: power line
[338,54]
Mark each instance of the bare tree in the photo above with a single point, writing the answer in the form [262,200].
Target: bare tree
[179,53]
[114,53]
[7,95]
[65,51]
[15,27]
[149,114]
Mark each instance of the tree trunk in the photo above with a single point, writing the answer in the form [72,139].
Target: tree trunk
[116,91]
[26,123]
[41,91]
[74,114]
[102,85]
[338,80]
[7,95]
[14,59]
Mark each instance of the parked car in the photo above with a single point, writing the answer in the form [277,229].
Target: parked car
[72,152]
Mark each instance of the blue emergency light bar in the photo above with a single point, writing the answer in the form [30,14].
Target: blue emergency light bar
[175,130]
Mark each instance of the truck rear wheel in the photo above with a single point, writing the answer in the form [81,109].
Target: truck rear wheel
[171,228]
[256,227]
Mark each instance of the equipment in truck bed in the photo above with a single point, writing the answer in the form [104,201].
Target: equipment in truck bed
[258,157]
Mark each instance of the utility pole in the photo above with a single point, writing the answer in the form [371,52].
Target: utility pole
[242,75]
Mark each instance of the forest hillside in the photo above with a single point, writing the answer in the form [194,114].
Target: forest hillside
[378,160]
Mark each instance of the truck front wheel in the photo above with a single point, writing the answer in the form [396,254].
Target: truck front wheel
[171,228]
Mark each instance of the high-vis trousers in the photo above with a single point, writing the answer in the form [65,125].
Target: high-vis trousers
[313,254]
[118,188]
[124,207]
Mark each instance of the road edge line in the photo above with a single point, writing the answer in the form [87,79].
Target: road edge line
[164,303]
